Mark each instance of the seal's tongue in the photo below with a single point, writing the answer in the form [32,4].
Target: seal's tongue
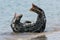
[17,16]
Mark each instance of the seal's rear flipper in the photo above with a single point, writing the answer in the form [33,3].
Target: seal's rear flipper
[36,9]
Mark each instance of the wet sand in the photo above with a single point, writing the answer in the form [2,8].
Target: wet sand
[30,36]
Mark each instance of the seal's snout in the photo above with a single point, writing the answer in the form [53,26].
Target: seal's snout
[17,15]
[20,15]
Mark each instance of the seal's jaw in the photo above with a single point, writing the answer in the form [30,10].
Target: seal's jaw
[16,22]
[17,18]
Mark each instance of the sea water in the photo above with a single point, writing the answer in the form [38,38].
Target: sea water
[9,7]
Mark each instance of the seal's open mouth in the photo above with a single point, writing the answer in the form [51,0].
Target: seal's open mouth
[17,18]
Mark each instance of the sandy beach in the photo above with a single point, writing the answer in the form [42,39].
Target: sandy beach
[31,36]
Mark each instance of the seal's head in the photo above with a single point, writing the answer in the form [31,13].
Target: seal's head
[17,18]
[15,22]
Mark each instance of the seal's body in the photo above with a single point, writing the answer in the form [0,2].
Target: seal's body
[38,26]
